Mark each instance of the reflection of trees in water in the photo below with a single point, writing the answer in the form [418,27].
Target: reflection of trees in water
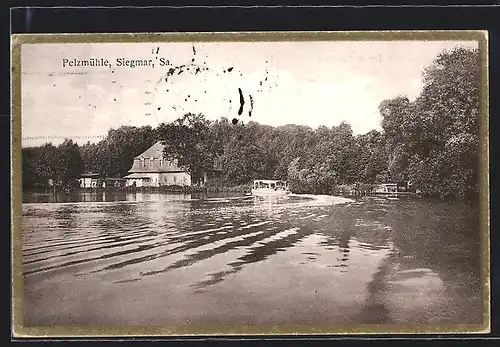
[356,223]
[434,237]
[60,196]
[438,236]
[442,237]
[256,254]
[93,227]
[359,222]
[206,254]
[403,290]
[375,310]
[191,233]
[337,233]
[67,217]
[109,227]
[118,219]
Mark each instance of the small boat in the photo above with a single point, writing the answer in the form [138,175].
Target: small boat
[387,190]
[270,188]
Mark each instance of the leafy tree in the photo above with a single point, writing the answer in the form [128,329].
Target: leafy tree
[67,164]
[188,140]
[434,141]
[113,156]
[37,165]
[62,165]
[370,158]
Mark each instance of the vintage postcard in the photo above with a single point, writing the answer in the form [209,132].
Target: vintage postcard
[250,183]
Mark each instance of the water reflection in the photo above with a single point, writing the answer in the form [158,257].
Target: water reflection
[384,261]
[375,310]
[104,196]
[267,247]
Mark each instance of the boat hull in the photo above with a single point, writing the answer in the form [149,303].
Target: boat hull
[270,193]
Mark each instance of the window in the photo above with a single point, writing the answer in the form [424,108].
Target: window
[175,179]
[161,161]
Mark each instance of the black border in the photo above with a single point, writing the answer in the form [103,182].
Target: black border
[250,18]
[282,18]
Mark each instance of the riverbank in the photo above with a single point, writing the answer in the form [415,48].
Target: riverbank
[243,189]
[210,187]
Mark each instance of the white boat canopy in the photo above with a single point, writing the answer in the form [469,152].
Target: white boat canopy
[269,183]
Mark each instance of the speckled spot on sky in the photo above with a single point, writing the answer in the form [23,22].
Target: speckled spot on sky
[308,83]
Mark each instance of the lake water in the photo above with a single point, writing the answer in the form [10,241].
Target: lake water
[137,258]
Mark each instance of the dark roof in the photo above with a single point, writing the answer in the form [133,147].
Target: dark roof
[155,151]
[136,176]
[89,175]
[153,154]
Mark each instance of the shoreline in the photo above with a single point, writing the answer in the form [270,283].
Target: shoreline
[163,189]
[206,190]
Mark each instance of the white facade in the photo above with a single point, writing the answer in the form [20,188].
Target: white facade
[88,182]
[151,169]
[158,179]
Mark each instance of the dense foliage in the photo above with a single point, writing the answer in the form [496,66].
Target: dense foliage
[189,141]
[113,156]
[432,142]
[59,165]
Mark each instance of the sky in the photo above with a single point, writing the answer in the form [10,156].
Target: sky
[309,83]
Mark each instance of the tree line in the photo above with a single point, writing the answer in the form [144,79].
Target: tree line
[432,142]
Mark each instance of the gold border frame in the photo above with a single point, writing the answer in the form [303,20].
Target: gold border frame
[19,331]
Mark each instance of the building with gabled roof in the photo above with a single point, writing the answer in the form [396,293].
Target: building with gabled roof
[151,169]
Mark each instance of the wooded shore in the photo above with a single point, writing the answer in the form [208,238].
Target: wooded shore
[431,141]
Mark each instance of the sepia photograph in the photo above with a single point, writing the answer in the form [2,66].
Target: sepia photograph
[282,182]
